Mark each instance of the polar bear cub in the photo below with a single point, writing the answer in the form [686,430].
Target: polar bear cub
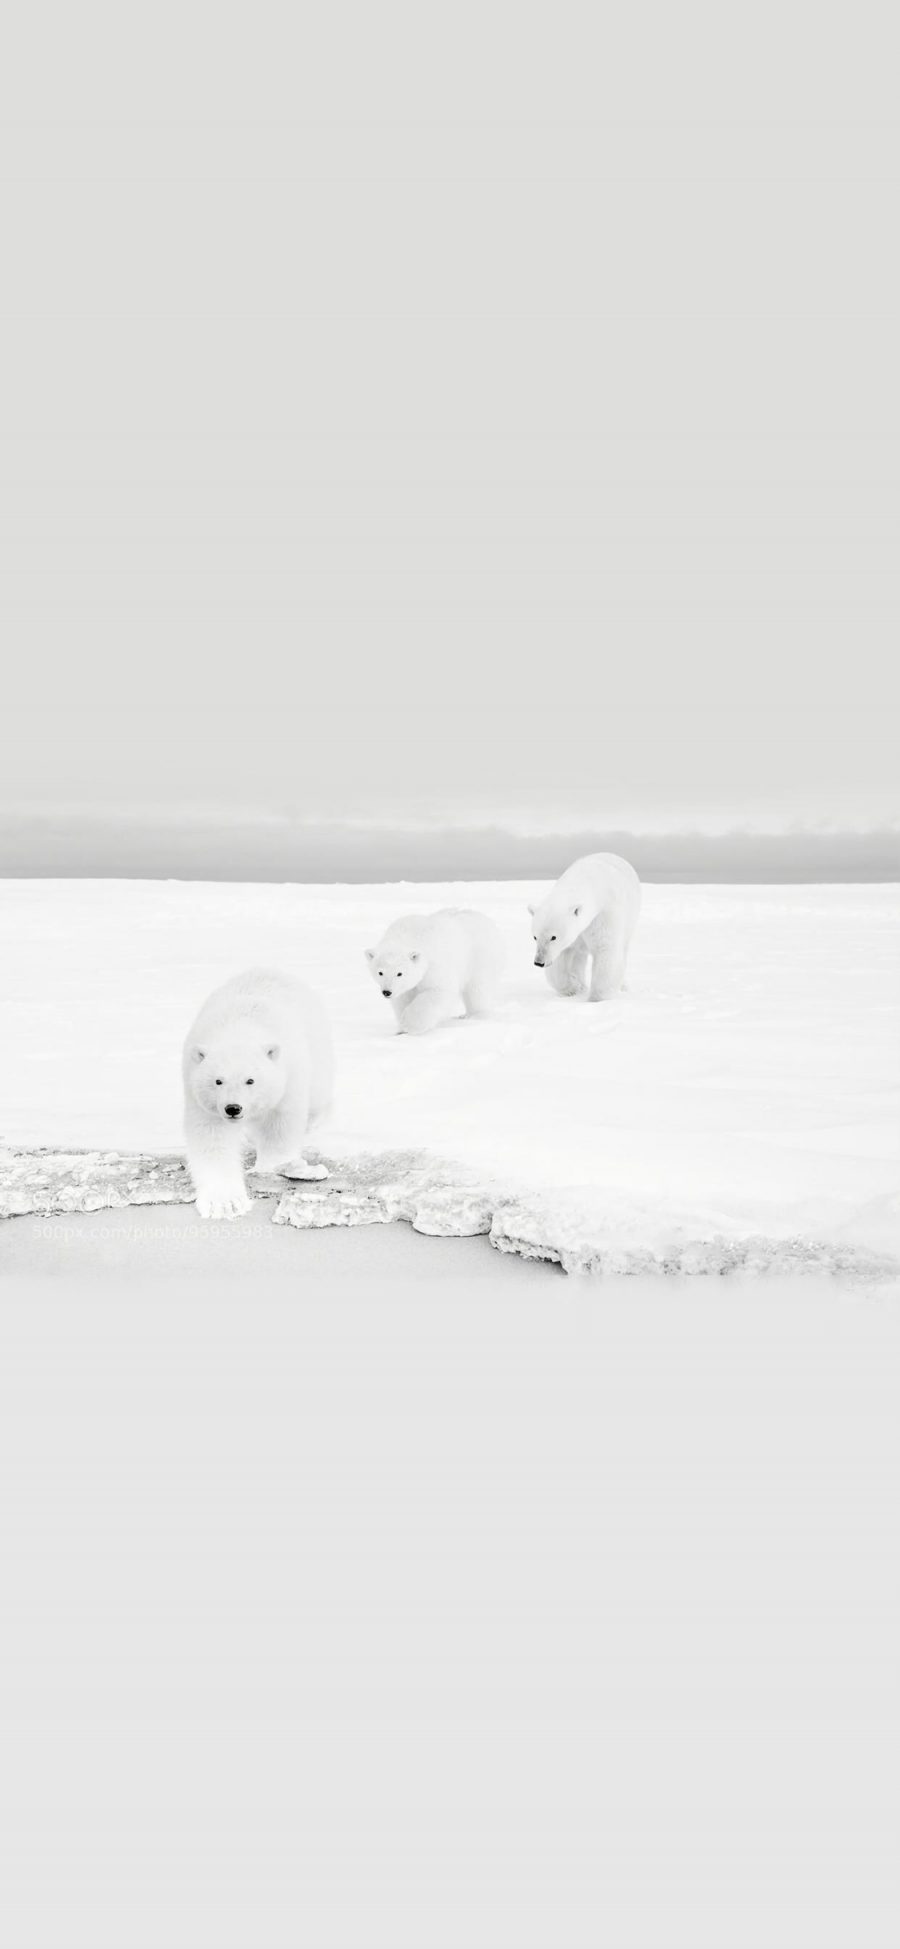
[434,966]
[258,1068]
[588,916]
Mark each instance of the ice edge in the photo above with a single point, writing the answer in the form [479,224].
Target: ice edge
[438,1198]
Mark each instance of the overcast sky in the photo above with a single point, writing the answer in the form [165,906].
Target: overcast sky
[446,414]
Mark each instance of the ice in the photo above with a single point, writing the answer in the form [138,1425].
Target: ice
[738,1106]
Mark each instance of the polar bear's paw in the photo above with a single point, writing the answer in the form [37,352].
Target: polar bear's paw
[213,1204]
[571,986]
[301,1172]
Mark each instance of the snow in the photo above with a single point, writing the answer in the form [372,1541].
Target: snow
[745,1088]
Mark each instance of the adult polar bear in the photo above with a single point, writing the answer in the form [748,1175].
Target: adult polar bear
[589,915]
[258,1067]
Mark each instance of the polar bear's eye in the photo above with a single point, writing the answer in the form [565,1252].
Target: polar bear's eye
[218,1082]
[249,1082]
[553,937]
[399,974]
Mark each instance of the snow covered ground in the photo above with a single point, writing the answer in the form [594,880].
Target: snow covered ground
[393,1600]
[746,1086]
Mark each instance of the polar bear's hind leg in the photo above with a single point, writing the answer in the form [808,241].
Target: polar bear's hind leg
[607,969]
[480,995]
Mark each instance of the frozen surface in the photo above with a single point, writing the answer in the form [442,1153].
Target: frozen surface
[740,1104]
[429,1613]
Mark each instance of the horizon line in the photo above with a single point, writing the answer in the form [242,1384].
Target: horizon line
[328,852]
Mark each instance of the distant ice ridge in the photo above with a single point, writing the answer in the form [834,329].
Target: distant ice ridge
[581,1231]
[253,844]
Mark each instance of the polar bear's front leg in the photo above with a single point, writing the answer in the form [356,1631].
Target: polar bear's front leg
[568,973]
[215,1162]
[280,1142]
[426,1008]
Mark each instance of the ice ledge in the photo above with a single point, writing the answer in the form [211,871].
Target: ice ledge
[578,1231]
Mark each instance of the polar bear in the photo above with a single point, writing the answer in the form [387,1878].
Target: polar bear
[430,966]
[589,915]
[258,1067]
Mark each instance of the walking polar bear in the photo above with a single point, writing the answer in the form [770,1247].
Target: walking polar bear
[428,966]
[258,1068]
[589,915]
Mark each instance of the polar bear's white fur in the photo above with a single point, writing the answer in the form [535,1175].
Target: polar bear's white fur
[433,966]
[588,916]
[258,1067]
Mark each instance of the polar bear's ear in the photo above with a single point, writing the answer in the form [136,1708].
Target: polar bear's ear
[198,1054]
[531,909]
[273,1052]
[415,956]
[576,911]
[369,953]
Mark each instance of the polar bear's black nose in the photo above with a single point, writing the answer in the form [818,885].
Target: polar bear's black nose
[538,960]
[232,1109]
[386,991]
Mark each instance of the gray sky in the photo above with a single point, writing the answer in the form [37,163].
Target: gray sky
[505,426]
